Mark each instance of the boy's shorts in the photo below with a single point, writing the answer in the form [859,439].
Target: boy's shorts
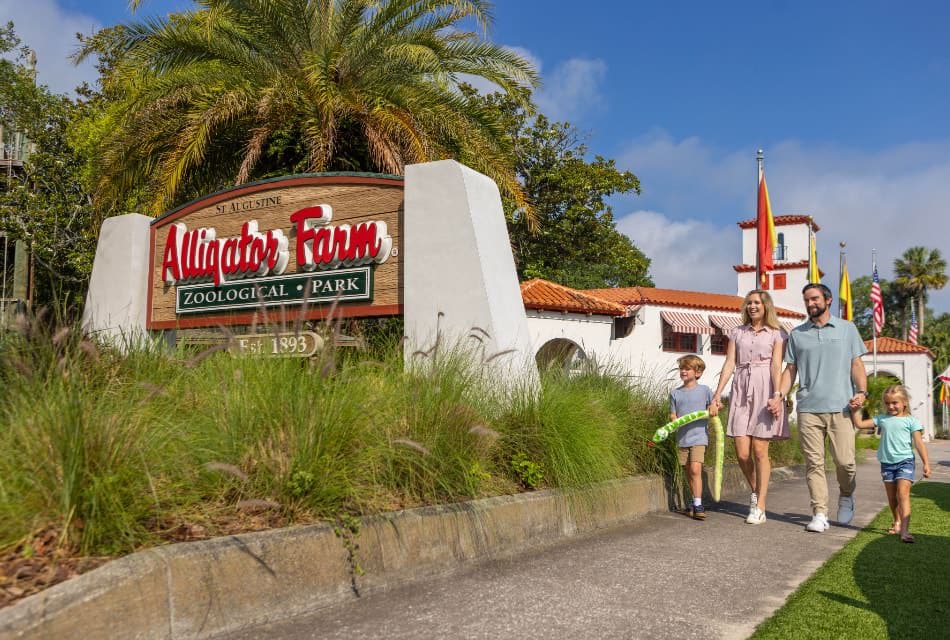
[695,453]
[903,470]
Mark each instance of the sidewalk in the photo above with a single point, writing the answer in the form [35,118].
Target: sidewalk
[665,576]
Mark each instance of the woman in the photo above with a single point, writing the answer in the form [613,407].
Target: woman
[754,354]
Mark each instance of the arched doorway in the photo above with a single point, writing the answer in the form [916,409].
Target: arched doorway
[561,353]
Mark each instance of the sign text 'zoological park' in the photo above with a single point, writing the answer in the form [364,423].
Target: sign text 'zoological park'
[217,266]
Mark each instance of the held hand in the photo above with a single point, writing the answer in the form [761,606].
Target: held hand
[775,406]
[713,409]
[857,401]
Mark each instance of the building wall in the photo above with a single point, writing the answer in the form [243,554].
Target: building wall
[639,356]
[591,333]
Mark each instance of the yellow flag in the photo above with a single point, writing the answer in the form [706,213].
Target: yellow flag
[844,294]
[814,276]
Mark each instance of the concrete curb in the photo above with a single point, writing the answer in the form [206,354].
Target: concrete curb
[202,589]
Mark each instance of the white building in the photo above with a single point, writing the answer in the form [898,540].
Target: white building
[642,331]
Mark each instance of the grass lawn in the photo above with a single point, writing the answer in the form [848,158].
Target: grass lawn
[877,587]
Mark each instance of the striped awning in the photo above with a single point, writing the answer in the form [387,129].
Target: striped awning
[686,322]
[725,323]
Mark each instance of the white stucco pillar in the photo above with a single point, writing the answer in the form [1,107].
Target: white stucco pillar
[117,301]
[460,277]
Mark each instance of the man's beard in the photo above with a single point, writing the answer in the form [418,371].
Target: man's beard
[814,312]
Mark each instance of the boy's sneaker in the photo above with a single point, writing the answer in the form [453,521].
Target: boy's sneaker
[699,512]
[845,509]
[818,524]
[756,516]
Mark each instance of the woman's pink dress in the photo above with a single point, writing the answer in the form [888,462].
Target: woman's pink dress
[752,385]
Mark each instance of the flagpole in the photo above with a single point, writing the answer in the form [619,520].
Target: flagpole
[759,158]
[873,324]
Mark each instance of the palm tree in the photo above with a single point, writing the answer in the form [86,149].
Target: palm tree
[918,271]
[237,90]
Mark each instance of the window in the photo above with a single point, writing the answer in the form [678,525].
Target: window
[778,281]
[779,254]
[718,343]
[623,327]
[679,342]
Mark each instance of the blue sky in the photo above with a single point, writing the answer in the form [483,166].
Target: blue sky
[849,102]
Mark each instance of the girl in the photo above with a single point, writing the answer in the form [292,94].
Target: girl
[900,434]
[754,354]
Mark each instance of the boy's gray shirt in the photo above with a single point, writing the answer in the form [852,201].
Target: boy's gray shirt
[684,401]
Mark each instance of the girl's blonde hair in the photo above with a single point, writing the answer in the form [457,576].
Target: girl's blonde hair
[771,318]
[899,390]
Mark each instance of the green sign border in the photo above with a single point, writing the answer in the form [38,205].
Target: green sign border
[295,278]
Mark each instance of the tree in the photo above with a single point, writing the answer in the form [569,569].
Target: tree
[46,205]
[918,271]
[896,310]
[244,89]
[574,240]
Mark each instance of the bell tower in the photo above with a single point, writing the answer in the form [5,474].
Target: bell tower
[790,275]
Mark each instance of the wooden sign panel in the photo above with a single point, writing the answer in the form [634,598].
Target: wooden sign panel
[283,248]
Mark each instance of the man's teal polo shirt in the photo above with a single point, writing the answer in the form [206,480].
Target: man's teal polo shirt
[823,356]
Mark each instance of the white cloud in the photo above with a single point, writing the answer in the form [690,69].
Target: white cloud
[686,253]
[51,32]
[888,200]
[572,90]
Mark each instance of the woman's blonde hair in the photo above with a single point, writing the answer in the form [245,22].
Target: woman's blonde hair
[771,318]
[898,390]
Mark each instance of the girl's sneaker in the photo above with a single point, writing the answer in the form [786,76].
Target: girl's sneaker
[753,502]
[699,512]
[756,516]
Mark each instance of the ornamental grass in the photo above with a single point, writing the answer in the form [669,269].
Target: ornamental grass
[118,451]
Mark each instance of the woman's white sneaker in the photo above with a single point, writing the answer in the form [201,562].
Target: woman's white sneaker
[818,524]
[756,516]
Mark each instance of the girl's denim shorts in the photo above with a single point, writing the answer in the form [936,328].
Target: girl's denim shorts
[903,470]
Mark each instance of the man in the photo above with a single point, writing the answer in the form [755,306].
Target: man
[825,352]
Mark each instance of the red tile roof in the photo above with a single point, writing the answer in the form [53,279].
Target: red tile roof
[676,298]
[545,295]
[781,221]
[893,345]
[801,264]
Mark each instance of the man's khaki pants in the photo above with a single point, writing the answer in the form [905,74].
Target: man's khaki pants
[812,429]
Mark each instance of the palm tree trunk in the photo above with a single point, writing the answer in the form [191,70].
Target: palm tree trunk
[920,314]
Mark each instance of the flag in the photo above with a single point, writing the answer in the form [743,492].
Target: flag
[814,276]
[844,294]
[945,376]
[877,303]
[912,334]
[765,227]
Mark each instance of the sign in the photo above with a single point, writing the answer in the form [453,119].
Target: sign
[308,242]
[343,285]
[303,344]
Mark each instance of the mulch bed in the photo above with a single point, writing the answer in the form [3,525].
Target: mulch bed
[39,563]
[43,560]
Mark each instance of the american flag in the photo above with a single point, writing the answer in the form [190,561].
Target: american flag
[912,334]
[877,303]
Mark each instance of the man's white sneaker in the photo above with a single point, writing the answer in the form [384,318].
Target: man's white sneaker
[845,509]
[818,524]
[756,516]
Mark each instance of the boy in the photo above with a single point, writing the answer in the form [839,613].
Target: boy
[693,437]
